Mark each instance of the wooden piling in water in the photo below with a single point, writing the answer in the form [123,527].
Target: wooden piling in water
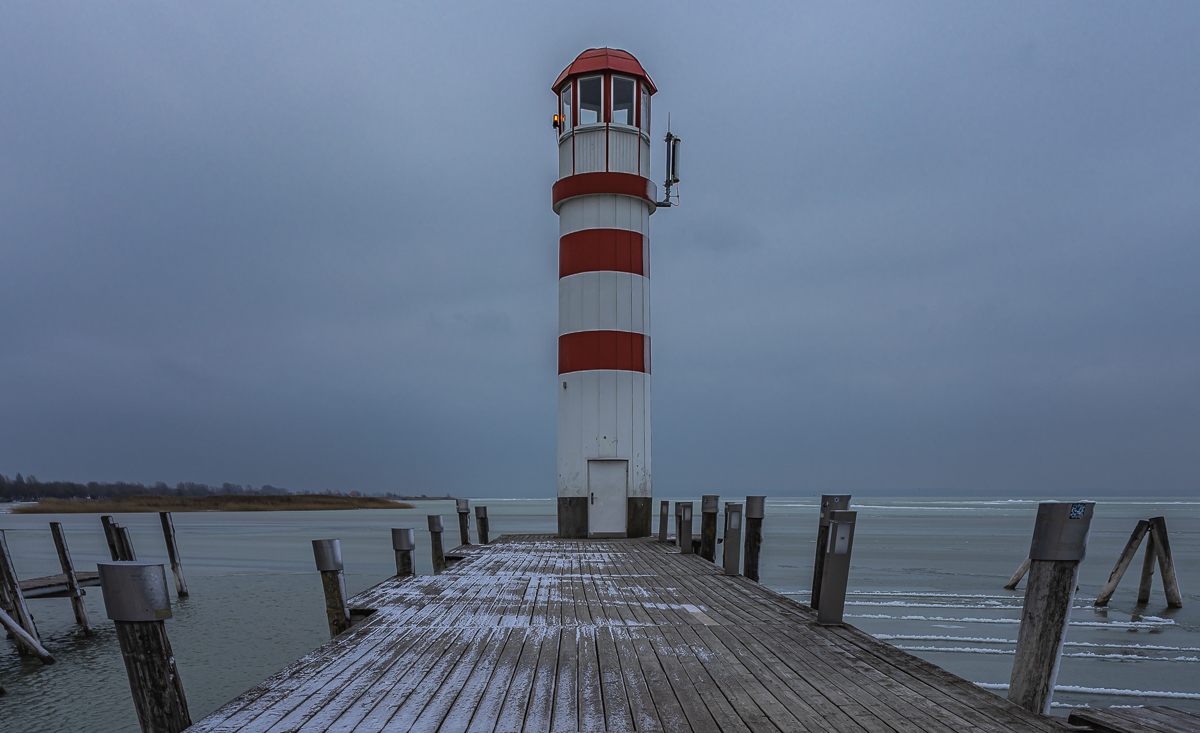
[328,554]
[481,524]
[68,568]
[168,528]
[404,543]
[1059,544]
[435,541]
[708,527]
[137,601]
[829,503]
[464,521]
[12,589]
[25,641]
[754,519]
[1016,577]
[110,536]
[1166,564]
[125,544]
[1147,580]
[1127,555]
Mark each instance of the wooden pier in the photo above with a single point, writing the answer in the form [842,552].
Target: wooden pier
[533,633]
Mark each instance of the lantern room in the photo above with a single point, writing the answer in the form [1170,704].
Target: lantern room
[603,118]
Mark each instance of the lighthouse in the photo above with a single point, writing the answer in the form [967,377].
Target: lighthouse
[604,198]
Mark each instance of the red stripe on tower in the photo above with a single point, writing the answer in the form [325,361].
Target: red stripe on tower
[595,250]
[586,350]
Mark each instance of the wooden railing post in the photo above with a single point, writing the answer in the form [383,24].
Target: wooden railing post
[481,524]
[464,521]
[732,539]
[136,599]
[683,526]
[328,554]
[68,568]
[12,589]
[1060,537]
[435,541]
[708,527]
[168,528]
[836,576]
[663,512]
[755,506]
[404,542]
[829,503]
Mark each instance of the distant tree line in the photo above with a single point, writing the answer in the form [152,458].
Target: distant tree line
[28,488]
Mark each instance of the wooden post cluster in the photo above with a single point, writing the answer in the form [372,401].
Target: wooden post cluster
[120,546]
[708,527]
[435,539]
[481,524]
[464,520]
[1059,543]
[68,568]
[20,622]
[683,526]
[836,575]
[829,503]
[328,554]
[1158,550]
[754,518]
[137,600]
[664,511]
[168,528]
[404,542]
[732,538]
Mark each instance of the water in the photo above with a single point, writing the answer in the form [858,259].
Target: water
[927,573]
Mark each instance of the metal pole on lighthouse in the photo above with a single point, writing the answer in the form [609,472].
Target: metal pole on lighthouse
[604,198]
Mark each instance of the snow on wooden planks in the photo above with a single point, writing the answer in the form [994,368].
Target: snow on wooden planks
[533,633]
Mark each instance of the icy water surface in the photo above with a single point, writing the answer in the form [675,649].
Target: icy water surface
[927,576]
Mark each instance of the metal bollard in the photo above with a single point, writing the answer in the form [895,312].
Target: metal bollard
[137,600]
[435,539]
[464,521]
[829,503]
[708,527]
[328,554]
[683,527]
[732,538]
[837,567]
[754,519]
[404,542]
[481,524]
[1060,536]
[663,513]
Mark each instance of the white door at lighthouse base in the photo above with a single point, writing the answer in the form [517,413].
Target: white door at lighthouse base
[607,481]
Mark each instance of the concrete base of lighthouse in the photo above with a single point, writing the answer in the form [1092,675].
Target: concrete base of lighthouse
[573,517]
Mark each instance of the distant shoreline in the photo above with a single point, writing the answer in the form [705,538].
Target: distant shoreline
[218,503]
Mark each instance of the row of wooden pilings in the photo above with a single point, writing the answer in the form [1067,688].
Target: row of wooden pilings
[328,556]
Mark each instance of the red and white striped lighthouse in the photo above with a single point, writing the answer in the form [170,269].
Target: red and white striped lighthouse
[604,198]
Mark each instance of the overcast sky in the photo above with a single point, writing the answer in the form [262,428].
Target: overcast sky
[923,247]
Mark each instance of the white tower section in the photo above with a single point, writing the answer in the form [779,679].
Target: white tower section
[604,198]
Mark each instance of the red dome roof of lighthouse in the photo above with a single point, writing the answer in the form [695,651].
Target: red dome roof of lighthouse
[601,59]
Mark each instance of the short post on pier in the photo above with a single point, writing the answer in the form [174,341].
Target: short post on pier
[328,554]
[481,524]
[168,528]
[732,539]
[137,600]
[829,503]
[68,568]
[404,542]
[663,514]
[20,611]
[708,527]
[836,575]
[464,520]
[683,527]
[1060,536]
[435,539]
[754,519]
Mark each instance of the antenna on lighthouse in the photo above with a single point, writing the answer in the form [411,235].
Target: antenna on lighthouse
[672,167]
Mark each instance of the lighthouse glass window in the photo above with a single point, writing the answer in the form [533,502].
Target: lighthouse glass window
[645,108]
[591,100]
[566,109]
[622,100]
